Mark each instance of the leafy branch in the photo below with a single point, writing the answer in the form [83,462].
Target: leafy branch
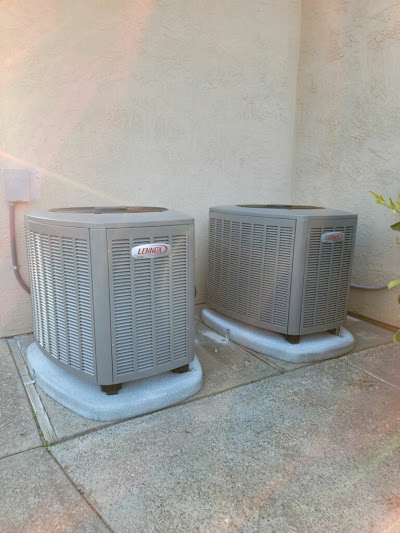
[390,204]
[395,208]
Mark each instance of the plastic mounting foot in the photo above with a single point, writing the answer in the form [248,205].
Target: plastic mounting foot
[293,339]
[335,331]
[181,369]
[111,389]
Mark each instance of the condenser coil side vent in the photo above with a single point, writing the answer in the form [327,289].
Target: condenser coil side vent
[327,274]
[149,301]
[105,304]
[61,292]
[247,262]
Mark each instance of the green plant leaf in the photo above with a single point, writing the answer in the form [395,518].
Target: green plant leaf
[379,199]
[393,283]
[392,205]
[396,226]
[396,336]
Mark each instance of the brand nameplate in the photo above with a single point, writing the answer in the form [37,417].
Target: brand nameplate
[332,236]
[146,251]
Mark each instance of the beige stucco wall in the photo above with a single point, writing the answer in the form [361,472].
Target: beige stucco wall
[348,131]
[180,103]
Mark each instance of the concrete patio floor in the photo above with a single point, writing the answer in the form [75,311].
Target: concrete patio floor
[265,446]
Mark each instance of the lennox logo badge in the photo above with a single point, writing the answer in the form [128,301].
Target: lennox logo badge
[332,236]
[145,251]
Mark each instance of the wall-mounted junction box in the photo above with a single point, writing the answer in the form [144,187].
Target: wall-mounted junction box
[20,184]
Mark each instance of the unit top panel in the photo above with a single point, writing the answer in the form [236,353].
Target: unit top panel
[109,217]
[281,211]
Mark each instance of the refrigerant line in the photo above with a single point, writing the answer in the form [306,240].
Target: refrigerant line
[14,254]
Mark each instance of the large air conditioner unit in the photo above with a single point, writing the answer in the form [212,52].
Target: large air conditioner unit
[283,268]
[113,290]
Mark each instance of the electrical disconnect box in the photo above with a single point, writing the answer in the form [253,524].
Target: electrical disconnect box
[20,185]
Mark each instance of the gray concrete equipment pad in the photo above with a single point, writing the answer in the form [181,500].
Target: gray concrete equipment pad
[314,347]
[366,335]
[18,430]
[312,450]
[224,364]
[135,398]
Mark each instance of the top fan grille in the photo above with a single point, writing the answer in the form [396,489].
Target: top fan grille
[279,206]
[105,210]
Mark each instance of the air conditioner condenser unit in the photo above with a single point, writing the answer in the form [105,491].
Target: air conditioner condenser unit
[113,290]
[281,268]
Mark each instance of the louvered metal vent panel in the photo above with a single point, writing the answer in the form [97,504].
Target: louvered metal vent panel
[327,276]
[61,291]
[250,264]
[149,301]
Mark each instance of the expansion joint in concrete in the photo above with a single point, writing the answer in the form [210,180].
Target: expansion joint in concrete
[373,376]
[20,452]
[46,431]
[80,492]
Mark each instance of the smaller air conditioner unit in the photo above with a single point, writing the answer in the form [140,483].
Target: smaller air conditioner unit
[283,268]
[113,290]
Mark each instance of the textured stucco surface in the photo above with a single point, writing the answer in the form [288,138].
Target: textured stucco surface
[347,131]
[181,103]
